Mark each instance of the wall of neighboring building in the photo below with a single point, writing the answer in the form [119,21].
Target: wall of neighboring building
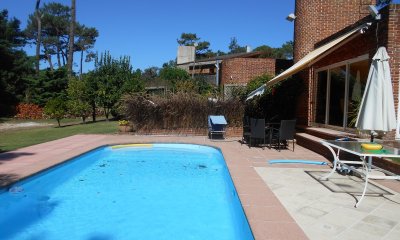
[315,21]
[242,70]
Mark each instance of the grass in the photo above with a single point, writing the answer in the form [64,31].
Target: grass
[17,138]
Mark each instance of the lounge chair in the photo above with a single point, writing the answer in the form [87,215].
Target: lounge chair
[216,125]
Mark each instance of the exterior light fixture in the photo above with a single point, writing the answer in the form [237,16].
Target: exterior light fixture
[291,17]
[374,12]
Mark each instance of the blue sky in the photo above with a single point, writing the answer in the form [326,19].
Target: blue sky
[147,30]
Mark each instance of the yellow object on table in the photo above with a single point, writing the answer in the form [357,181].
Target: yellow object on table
[371,146]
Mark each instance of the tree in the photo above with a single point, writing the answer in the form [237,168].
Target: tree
[234,47]
[15,65]
[150,73]
[39,30]
[283,52]
[86,40]
[78,103]
[189,39]
[71,38]
[110,77]
[48,85]
[54,31]
[56,108]
[174,75]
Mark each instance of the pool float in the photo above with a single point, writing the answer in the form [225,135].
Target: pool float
[371,146]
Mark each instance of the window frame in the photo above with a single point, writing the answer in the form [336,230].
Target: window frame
[328,68]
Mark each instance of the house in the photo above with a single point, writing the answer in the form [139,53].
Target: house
[334,42]
[232,70]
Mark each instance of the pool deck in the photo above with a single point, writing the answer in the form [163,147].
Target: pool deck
[280,201]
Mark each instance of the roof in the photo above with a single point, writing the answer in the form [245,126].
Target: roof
[228,56]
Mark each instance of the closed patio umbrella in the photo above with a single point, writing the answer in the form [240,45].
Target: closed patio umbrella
[377,111]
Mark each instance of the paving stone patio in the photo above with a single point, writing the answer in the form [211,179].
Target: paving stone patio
[280,201]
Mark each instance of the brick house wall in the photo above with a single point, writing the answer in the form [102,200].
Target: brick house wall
[367,43]
[317,20]
[242,70]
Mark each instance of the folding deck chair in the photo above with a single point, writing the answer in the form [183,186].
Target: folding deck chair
[216,125]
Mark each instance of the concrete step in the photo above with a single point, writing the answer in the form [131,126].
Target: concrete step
[314,144]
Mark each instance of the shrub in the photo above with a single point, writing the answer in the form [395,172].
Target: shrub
[181,110]
[56,108]
[29,111]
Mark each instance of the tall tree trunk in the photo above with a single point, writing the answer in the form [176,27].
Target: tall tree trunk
[71,38]
[58,56]
[39,35]
[80,72]
[48,56]
[63,57]
[93,111]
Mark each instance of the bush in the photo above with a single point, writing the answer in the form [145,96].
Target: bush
[181,110]
[56,108]
[278,102]
[29,111]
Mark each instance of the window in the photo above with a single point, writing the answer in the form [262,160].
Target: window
[339,90]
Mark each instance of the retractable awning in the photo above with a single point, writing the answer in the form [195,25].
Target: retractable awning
[310,58]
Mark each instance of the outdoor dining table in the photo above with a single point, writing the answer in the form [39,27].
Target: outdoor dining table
[391,149]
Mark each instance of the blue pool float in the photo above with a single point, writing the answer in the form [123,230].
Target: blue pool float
[298,161]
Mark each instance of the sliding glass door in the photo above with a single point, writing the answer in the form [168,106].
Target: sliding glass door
[339,90]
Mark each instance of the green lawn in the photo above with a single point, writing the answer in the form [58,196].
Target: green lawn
[22,137]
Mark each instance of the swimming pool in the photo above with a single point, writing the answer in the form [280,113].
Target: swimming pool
[160,191]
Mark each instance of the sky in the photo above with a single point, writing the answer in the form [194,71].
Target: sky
[147,30]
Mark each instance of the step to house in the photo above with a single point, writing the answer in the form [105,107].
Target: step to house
[325,133]
[314,144]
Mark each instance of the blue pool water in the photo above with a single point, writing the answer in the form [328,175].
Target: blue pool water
[167,191]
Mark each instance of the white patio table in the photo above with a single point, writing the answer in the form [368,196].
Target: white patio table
[391,149]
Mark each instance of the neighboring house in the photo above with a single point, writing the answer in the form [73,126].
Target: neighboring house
[230,70]
[334,42]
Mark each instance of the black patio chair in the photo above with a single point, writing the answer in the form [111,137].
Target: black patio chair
[257,131]
[285,132]
[246,130]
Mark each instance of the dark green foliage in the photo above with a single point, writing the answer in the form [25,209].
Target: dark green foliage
[234,47]
[202,49]
[56,108]
[56,20]
[15,66]
[110,79]
[173,74]
[78,98]
[181,110]
[277,102]
[48,85]
[283,52]
[257,82]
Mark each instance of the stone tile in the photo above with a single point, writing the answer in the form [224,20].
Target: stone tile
[380,222]
[311,212]
[352,234]
[371,229]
